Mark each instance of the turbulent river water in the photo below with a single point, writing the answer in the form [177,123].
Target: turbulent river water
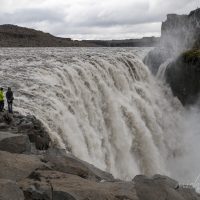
[104,106]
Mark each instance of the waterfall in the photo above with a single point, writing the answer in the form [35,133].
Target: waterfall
[102,105]
[162,69]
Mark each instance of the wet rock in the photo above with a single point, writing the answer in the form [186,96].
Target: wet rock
[18,166]
[178,34]
[36,132]
[48,184]
[3,126]
[183,76]
[14,143]
[36,190]
[26,125]
[162,188]
[9,190]
[42,143]
[66,186]
[188,193]
[67,163]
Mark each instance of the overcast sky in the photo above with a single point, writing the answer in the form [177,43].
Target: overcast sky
[93,19]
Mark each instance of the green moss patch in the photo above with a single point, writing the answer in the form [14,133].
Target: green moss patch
[191,56]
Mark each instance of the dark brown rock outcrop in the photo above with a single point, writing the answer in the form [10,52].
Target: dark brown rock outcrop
[28,128]
[183,76]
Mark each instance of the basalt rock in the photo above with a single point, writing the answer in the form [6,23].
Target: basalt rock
[57,185]
[9,190]
[183,76]
[178,34]
[67,163]
[18,166]
[14,143]
[28,126]
[162,188]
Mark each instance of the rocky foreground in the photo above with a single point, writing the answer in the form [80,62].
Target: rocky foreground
[31,169]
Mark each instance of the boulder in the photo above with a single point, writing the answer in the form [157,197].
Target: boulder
[18,166]
[67,163]
[9,190]
[188,193]
[14,143]
[57,185]
[35,130]
[28,126]
[162,188]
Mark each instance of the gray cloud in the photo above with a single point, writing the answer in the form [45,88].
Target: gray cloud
[84,19]
[31,15]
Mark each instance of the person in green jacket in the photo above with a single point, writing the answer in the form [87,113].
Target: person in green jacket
[1,100]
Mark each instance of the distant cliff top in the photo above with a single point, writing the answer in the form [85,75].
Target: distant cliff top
[16,36]
[195,13]
[143,42]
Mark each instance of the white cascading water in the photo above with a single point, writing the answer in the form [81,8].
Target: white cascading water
[103,105]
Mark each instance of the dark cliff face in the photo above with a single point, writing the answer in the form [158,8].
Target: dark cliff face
[178,34]
[183,75]
[15,36]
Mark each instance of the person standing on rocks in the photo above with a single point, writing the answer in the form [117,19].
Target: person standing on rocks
[10,98]
[1,100]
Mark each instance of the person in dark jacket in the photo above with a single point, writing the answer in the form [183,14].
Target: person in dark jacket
[10,98]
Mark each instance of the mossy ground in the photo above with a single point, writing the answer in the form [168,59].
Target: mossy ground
[191,56]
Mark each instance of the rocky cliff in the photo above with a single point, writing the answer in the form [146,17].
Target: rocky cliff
[180,42]
[178,34]
[15,36]
[183,75]
[32,169]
